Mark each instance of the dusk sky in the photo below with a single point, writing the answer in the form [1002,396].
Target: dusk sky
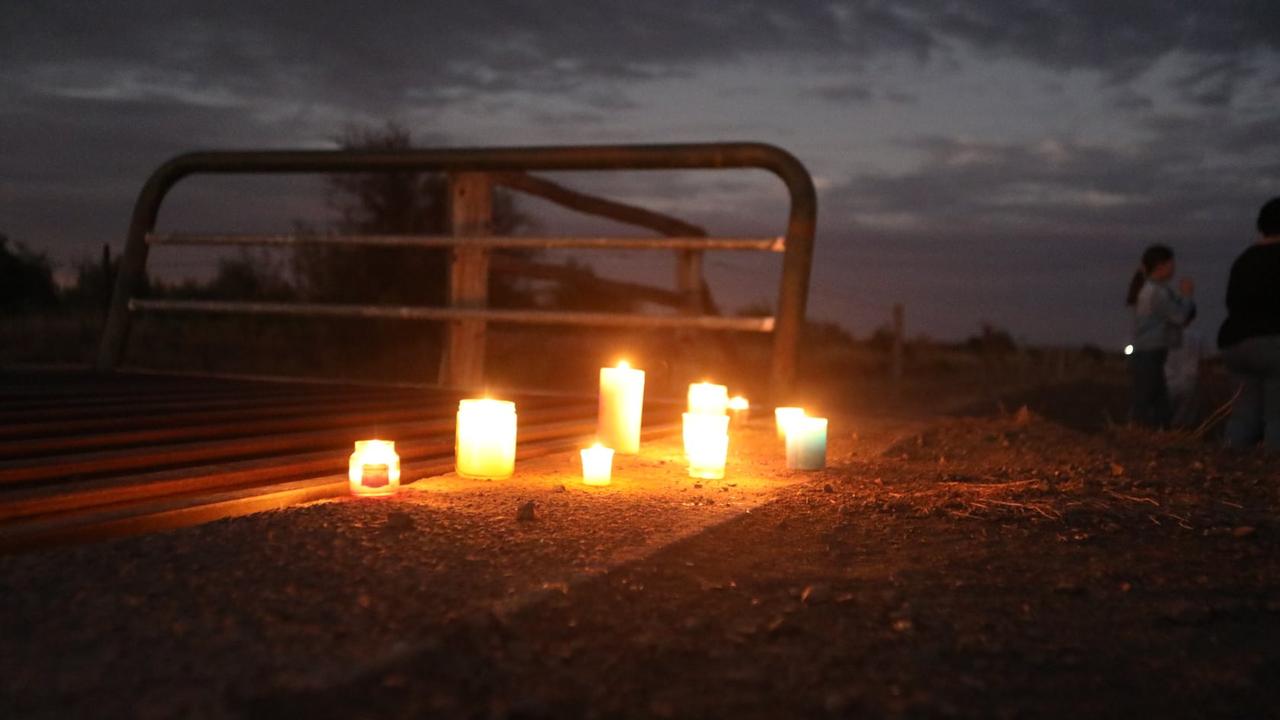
[1003,161]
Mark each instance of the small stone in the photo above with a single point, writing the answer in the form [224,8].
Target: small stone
[835,702]
[399,522]
[828,488]
[697,486]
[558,488]
[815,594]
[525,513]
[1181,612]
[1117,470]
[1244,531]
[1068,588]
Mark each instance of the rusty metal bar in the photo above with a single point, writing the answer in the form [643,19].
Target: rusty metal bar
[797,260]
[692,242]
[415,312]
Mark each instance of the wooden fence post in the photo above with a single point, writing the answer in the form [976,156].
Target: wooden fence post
[689,280]
[899,337]
[470,215]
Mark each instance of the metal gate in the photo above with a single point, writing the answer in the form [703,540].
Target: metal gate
[472,173]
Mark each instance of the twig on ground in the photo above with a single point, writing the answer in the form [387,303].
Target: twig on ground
[1216,416]
[1133,498]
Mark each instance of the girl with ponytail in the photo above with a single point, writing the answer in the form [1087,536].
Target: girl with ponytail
[1159,315]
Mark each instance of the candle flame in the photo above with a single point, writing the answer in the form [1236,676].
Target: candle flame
[737,402]
[623,364]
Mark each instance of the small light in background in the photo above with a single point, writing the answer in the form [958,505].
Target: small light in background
[1128,349]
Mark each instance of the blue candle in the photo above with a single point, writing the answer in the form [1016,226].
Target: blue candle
[806,443]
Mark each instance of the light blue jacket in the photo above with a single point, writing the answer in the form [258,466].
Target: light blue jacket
[1159,316]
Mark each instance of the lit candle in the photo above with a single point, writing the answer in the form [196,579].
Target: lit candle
[739,410]
[706,444]
[783,415]
[374,468]
[708,399]
[597,464]
[486,439]
[621,404]
[806,443]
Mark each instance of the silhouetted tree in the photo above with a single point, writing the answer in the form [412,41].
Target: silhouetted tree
[390,203]
[26,278]
[992,341]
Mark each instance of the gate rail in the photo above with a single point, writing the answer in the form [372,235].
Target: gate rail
[472,173]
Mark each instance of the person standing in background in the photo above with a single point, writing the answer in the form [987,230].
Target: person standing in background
[1250,336]
[1182,375]
[1159,315]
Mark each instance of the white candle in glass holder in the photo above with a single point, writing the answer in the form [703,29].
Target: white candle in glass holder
[597,465]
[621,407]
[486,438]
[806,443]
[374,468]
[708,398]
[706,444]
[784,415]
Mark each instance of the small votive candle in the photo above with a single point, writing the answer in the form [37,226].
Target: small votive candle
[784,415]
[708,398]
[486,438]
[706,444]
[621,406]
[597,465]
[374,468]
[806,443]
[739,410]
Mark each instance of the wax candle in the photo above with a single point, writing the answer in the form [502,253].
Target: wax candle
[706,444]
[621,405]
[486,438]
[806,443]
[708,399]
[597,465]
[784,415]
[739,410]
[374,468]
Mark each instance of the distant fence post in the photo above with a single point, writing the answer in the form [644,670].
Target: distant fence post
[107,282]
[896,350]
[470,215]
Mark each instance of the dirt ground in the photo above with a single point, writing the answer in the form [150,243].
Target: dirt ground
[1003,565]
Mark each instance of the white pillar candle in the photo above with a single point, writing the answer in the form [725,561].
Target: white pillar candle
[374,468]
[708,399]
[621,405]
[784,415]
[706,444]
[739,410]
[486,439]
[806,443]
[597,465]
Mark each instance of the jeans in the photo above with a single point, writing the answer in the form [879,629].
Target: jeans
[1255,363]
[1150,393]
